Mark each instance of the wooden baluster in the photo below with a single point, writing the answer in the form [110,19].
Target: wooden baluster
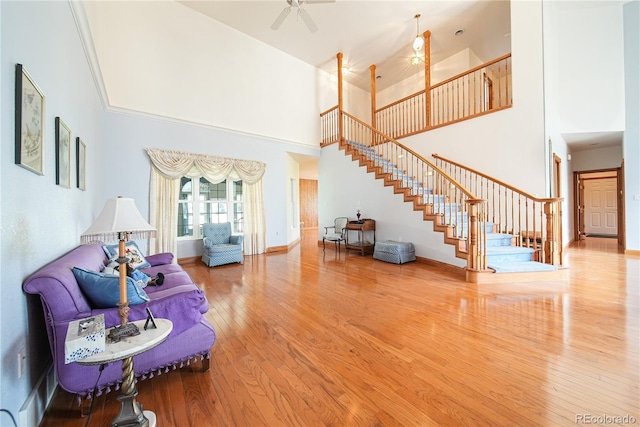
[372,77]
[519,239]
[465,98]
[405,122]
[493,202]
[475,94]
[499,210]
[441,107]
[500,83]
[514,211]
[506,211]
[507,90]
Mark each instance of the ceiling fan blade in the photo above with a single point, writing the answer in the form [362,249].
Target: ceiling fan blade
[280,19]
[307,20]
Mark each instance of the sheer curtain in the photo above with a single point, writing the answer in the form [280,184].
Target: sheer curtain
[168,166]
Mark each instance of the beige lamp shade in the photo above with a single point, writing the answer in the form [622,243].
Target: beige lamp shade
[119,215]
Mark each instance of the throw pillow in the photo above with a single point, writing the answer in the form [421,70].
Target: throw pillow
[103,290]
[132,251]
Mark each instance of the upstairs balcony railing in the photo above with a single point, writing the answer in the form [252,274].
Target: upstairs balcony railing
[535,222]
[480,90]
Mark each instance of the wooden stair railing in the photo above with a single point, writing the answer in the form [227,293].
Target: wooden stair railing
[534,221]
[330,131]
[453,209]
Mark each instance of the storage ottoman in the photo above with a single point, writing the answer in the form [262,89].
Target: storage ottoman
[394,252]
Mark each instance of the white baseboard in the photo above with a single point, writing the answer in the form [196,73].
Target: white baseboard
[33,408]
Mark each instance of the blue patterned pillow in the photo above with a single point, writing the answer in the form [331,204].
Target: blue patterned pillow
[103,290]
[132,251]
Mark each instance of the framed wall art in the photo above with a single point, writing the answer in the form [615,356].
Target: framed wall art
[63,154]
[81,164]
[29,123]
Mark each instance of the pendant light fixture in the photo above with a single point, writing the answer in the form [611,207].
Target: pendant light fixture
[418,42]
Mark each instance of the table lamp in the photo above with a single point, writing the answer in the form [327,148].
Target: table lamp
[121,220]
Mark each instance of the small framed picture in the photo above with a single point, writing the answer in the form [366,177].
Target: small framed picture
[81,164]
[63,154]
[29,123]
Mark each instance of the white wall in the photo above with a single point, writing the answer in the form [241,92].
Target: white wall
[131,134]
[583,86]
[40,220]
[355,101]
[164,58]
[292,194]
[453,65]
[600,158]
[590,69]
[631,142]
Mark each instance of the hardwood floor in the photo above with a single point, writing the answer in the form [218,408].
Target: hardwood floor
[313,339]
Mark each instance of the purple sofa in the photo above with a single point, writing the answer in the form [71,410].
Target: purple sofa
[178,299]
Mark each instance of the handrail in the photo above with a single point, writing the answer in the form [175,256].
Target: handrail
[472,70]
[330,110]
[536,222]
[387,138]
[497,181]
[400,101]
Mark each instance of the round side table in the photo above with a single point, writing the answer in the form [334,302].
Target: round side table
[131,413]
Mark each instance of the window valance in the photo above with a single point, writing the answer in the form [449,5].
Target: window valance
[174,164]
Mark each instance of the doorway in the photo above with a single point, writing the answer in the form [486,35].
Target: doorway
[598,198]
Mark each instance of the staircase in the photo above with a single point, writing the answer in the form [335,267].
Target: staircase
[505,234]
[501,255]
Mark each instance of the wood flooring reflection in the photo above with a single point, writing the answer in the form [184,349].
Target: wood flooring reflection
[320,339]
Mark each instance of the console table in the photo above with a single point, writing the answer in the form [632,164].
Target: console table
[365,231]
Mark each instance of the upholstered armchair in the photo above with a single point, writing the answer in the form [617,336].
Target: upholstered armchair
[220,246]
[337,235]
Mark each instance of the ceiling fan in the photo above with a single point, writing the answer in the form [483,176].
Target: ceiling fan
[297,4]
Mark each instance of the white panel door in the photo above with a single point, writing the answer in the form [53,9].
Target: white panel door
[601,206]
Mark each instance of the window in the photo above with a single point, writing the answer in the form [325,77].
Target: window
[202,202]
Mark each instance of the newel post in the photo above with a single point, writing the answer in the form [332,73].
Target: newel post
[427,77]
[340,121]
[373,101]
[553,246]
[476,258]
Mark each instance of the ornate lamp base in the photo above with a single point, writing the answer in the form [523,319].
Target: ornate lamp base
[131,413]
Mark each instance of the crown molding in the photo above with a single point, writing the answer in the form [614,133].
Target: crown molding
[82,24]
[153,116]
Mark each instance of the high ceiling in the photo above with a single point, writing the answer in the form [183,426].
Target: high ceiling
[371,32]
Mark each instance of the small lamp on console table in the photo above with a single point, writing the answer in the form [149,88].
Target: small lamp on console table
[121,220]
